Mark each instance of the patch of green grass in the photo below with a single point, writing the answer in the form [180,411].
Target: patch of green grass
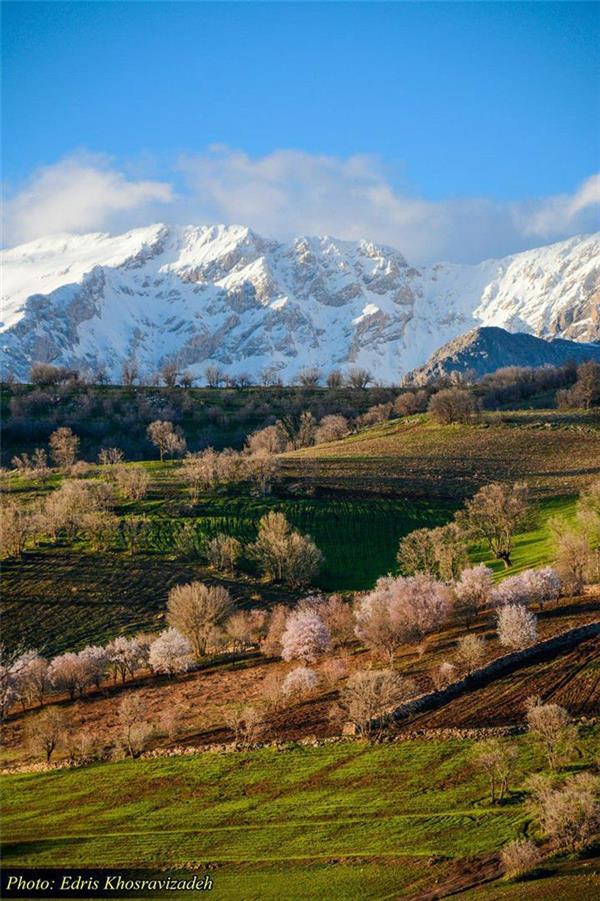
[305,822]
[534,546]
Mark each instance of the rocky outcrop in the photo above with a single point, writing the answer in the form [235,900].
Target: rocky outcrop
[487,349]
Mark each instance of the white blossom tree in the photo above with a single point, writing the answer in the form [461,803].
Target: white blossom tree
[125,656]
[517,626]
[170,653]
[300,682]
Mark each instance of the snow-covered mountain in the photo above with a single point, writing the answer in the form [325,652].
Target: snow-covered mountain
[201,295]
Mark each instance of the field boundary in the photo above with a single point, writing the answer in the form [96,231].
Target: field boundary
[502,666]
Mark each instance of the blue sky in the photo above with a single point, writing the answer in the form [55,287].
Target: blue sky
[421,111]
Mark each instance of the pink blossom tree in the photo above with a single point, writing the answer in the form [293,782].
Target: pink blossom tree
[306,637]
[473,589]
[401,610]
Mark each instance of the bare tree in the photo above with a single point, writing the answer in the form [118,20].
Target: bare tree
[338,616]
[133,721]
[130,372]
[169,374]
[517,626]
[471,651]
[46,730]
[574,560]
[15,530]
[309,377]
[133,482]
[197,610]
[110,456]
[283,554]
[165,438]
[334,379]
[246,627]
[551,726]
[494,515]
[271,643]
[570,814]
[452,405]
[441,552]
[497,760]
[261,470]
[370,695]
[359,378]
[63,447]
[214,376]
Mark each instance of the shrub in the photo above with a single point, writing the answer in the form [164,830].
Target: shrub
[223,552]
[519,857]
[452,405]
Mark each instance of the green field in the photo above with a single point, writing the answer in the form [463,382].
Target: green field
[338,821]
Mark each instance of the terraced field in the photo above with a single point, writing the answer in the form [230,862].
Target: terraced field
[571,680]
[556,453]
[79,596]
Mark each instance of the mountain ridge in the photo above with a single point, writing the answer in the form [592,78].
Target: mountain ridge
[486,349]
[224,295]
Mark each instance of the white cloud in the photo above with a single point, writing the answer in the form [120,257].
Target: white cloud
[80,193]
[289,192]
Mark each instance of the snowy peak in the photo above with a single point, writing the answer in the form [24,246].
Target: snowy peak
[216,294]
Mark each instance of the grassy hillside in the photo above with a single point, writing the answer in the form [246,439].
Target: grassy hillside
[555,452]
[391,819]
